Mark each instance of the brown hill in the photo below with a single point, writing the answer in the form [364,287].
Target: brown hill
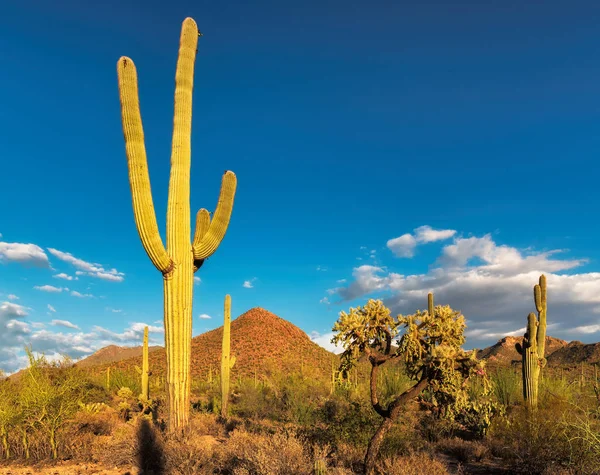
[504,352]
[260,341]
[576,352]
[113,353]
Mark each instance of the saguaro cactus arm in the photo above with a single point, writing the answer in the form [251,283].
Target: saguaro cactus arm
[139,179]
[205,245]
[178,207]
[541,305]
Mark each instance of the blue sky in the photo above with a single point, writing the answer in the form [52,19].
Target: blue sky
[352,127]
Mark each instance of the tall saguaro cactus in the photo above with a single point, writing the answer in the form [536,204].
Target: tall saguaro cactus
[145,369]
[534,345]
[181,258]
[227,361]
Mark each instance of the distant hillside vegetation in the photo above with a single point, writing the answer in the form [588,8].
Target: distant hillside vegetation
[504,352]
[260,340]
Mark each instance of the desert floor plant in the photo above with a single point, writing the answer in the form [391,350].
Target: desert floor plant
[429,348]
[181,258]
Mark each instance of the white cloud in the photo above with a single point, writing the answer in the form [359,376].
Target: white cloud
[48,288]
[12,297]
[197,279]
[64,323]
[74,293]
[114,310]
[204,316]
[249,284]
[492,285]
[88,268]
[324,341]
[64,276]
[404,246]
[322,269]
[325,301]
[51,308]
[15,333]
[28,254]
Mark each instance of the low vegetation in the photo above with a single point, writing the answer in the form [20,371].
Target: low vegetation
[298,422]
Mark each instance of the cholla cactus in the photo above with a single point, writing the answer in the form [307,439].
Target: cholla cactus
[430,347]
[534,345]
[181,258]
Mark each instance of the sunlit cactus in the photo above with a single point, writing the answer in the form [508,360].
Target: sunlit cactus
[227,361]
[180,258]
[534,345]
[429,346]
[144,370]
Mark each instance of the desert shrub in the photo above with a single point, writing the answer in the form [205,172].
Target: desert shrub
[414,464]
[299,398]
[547,440]
[254,454]
[404,438]
[125,379]
[258,402]
[340,420]
[117,449]
[9,415]
[506,384]
[465,451]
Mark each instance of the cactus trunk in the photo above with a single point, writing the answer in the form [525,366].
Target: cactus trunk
[145,368]
[534,346]
[181,258]
[227,361]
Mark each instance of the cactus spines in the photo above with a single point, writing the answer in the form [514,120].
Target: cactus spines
[144,371]
[181,258]
[532,350]
[227,361]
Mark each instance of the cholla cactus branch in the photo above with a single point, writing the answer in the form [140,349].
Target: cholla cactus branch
[429,346]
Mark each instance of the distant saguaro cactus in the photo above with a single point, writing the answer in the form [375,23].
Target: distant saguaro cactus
[180,259]
[534,345]
[144,370]
[227,361]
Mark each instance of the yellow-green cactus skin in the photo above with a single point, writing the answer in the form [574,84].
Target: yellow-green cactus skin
[534,345]
[227,361]
[145,371]
[179,259]
[430,307]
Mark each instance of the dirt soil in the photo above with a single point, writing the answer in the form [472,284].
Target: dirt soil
[67,469]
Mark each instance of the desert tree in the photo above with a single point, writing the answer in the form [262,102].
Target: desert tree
[50,396]
[9,415]
[428,344]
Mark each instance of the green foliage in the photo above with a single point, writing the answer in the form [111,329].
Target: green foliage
[9,413]
[49,396]
[506,384]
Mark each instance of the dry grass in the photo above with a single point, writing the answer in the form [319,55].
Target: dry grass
[414,464]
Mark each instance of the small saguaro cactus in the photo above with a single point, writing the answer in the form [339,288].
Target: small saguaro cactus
[227,361]
[144,370]
[534,345]
[108,378]
[430,307]
[180,258]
